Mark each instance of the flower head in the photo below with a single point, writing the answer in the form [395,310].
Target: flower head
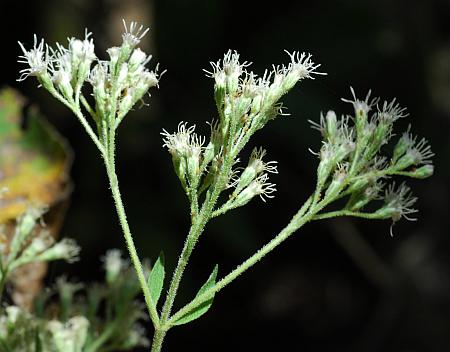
[83,50]
[362,107]
[259,186]
[301,65]
[255,168]
[421,152]
[391,111]
[398,203]
[259,165]
[133,33]
[409,152]
[226,72]
[182,141]
[37,59]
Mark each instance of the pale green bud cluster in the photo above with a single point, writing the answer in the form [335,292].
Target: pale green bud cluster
[351,164]
[29,244]
[245,103]
[70,316]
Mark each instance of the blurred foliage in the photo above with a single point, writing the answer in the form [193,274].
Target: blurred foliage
[72,318]
[34,171]
[34,159]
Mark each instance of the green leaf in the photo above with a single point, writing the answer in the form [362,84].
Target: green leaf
[202,308]
[156,278]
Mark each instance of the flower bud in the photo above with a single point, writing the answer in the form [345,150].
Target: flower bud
[336,184]
[114,54]
[66,249]
[137,58]
[123,75]
[404,143]
[62,80]
[330,126]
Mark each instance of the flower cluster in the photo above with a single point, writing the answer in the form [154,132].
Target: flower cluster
[29,244]
[117,84]
[69,316]
[351,163]
[245,103]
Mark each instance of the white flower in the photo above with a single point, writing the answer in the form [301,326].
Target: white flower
[147,79]
[415,153]
[66,249]
[37,59]
[114,53]
[133,34]
[256,166]
[259,165]
[71,335]
[99,75]
[362,107]
[83,49]
[181,142]
[302,66]
[138,59]
[259,186]
[398,203]
[186,148]
[421,152]
[113,264]
[123,74]
[252,87]
[391,111]
[227,71]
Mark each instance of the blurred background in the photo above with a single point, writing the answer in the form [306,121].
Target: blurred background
[342,285]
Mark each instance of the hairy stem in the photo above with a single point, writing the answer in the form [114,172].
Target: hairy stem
[114,184]
[82,120]
[298,220]
[158,339]
[333,214]
[197,227]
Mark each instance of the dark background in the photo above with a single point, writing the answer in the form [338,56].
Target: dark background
[336,285]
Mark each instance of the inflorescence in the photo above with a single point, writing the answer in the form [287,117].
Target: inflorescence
[245,103]
[117,84]
[352,164]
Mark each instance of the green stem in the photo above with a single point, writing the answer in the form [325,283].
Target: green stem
[82,120]
[298,220]
[197,227]
[88,108]
[158,339]
[333,214]
[179,270]
[129,241]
